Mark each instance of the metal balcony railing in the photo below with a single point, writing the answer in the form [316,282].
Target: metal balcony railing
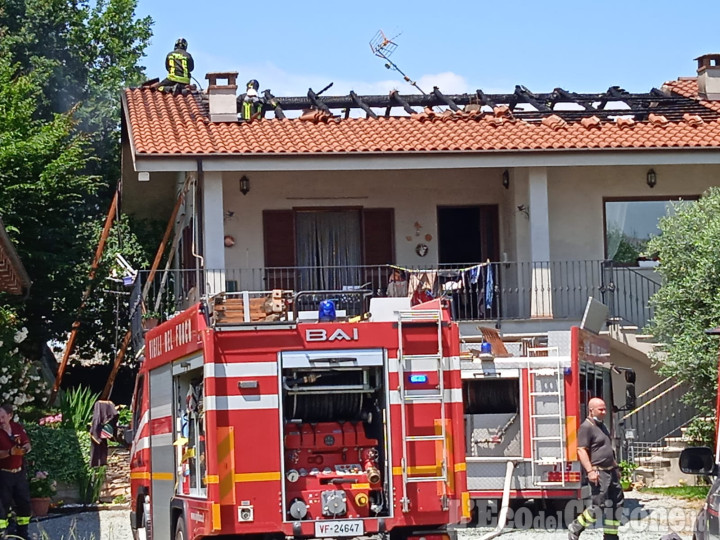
[481,291]
[627,292]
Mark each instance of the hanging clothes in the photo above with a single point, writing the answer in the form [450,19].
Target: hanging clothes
[104,425]
[489,287]
[421,286]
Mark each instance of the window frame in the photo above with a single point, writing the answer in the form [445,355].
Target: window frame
[636,198]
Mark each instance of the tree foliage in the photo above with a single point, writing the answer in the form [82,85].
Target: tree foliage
[44,197]
[63,65]
[688,303]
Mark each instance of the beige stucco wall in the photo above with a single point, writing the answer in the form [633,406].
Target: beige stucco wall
[576,200]
[414,195]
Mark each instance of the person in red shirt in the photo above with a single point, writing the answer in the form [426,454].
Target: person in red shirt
[14,485]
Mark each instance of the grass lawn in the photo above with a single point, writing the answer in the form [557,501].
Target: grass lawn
[682,492]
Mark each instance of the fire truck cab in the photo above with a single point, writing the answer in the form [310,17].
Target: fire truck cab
[283,426]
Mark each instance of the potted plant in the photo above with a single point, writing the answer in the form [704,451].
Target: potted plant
[150,319]
[626,474]
[42,487]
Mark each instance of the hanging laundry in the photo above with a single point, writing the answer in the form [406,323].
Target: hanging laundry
[489,287]
[421,286]
[104,424]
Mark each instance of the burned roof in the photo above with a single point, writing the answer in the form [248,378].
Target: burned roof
[671,117]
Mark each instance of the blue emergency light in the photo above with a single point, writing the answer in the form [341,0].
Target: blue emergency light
[418,379]
[326,311]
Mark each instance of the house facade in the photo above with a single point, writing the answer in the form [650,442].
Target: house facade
[518,206]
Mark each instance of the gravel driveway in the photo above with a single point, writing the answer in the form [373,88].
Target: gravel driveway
[650,517]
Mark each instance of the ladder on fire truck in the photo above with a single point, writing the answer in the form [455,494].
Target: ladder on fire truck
[547,416]
[406,319]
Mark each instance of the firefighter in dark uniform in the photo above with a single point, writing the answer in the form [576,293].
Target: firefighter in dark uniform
[252,103]
[179,64]
[596,454]
[14,486]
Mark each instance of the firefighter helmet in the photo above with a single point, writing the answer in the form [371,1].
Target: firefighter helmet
[181,43]
[252,83]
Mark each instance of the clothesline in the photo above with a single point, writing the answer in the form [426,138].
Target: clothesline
[420,270]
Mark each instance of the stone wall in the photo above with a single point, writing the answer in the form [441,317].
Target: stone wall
[117,480]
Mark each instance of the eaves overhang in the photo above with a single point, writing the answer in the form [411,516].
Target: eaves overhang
[373,161]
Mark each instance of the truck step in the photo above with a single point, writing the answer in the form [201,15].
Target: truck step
[422,479]
[416,438]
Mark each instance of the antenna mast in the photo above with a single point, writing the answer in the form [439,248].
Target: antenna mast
[383,47]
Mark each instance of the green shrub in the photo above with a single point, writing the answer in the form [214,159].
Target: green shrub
[56,451]
[65,454]
[700,432]
[626,470]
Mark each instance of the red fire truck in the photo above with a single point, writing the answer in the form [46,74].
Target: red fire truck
[522,416]
[285,426]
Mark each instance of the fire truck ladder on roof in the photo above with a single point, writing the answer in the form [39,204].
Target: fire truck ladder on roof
[407,399]
[547,420]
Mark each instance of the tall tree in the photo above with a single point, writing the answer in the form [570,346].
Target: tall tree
[64,64]
[89,52]
[43,197]
[688,303]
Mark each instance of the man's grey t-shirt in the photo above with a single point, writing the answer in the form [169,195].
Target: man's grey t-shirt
[595,437]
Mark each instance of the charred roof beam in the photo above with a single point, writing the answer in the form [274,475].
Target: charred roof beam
[526,96]
[395,97]
[484,99]
[316,102]
[360,103]
[444,100]
[560,95]
[271,101]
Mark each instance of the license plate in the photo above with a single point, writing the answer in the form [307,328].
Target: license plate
[332,529]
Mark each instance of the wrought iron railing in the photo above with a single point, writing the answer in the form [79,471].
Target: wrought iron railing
[485,291]
[627,292]
[660,412]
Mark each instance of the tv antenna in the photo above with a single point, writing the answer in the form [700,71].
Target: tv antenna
[383,47]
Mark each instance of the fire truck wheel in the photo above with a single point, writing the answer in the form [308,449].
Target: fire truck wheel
[180,529]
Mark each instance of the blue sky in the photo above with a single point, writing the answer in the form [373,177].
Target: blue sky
[458,46]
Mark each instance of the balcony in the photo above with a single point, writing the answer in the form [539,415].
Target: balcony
[493,291]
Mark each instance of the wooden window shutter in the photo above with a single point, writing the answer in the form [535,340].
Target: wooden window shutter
[279,247]
[378,236]
[378,244]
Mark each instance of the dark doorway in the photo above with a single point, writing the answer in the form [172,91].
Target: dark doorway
[468,234]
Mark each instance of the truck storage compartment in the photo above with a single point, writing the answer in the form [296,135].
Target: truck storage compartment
[334,435]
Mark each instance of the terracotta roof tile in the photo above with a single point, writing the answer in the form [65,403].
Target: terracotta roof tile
[163,124]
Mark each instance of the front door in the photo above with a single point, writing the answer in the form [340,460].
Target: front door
[468,234]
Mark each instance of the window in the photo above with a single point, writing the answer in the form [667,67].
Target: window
[190,433]
[137,404]
[630,223]
[333,242]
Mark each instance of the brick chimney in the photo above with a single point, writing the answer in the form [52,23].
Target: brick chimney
[709,76]
[222,97]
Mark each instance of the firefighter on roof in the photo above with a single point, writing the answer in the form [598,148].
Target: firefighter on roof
[14,486]
[179,64]
[252,104]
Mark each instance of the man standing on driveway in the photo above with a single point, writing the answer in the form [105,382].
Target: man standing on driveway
[597,457]
[14,486]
